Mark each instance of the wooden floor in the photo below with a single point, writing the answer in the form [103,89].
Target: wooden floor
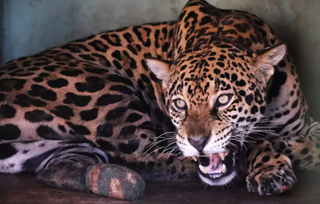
[24,189]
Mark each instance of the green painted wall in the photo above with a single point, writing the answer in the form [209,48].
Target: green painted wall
[31,26]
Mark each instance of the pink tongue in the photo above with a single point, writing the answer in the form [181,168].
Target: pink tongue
[214,161]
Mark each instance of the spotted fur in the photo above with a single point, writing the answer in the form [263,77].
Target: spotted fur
[114,97]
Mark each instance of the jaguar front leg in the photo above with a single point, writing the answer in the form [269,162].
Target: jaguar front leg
[269,172]
[172,169]
[303,150]
[77,165]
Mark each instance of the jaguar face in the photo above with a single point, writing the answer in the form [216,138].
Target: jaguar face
[214,101]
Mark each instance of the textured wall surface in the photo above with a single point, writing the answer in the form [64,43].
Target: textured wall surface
[31,26]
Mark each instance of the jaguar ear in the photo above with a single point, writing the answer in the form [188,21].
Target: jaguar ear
[265,61]
[160,68]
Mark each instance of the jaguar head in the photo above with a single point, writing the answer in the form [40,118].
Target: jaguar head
[214,100]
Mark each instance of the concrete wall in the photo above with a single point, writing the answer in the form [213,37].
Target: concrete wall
[31,26]
[1,26]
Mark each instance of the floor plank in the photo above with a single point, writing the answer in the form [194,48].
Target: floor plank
[24,189]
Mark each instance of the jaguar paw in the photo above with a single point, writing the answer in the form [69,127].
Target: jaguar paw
[114,181]
[271,179]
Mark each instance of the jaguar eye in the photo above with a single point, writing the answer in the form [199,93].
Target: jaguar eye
[180,104]
[223,100]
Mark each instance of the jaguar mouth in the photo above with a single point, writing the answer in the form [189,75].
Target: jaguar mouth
[216,169]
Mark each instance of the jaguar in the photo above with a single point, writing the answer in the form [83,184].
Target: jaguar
[213,95]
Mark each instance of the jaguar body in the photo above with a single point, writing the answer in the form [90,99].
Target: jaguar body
[213,94]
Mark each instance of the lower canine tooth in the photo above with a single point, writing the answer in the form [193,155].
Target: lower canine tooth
[195,158]
[223,168]
[204,169]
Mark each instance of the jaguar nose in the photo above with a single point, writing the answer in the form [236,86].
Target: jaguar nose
[199,142]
